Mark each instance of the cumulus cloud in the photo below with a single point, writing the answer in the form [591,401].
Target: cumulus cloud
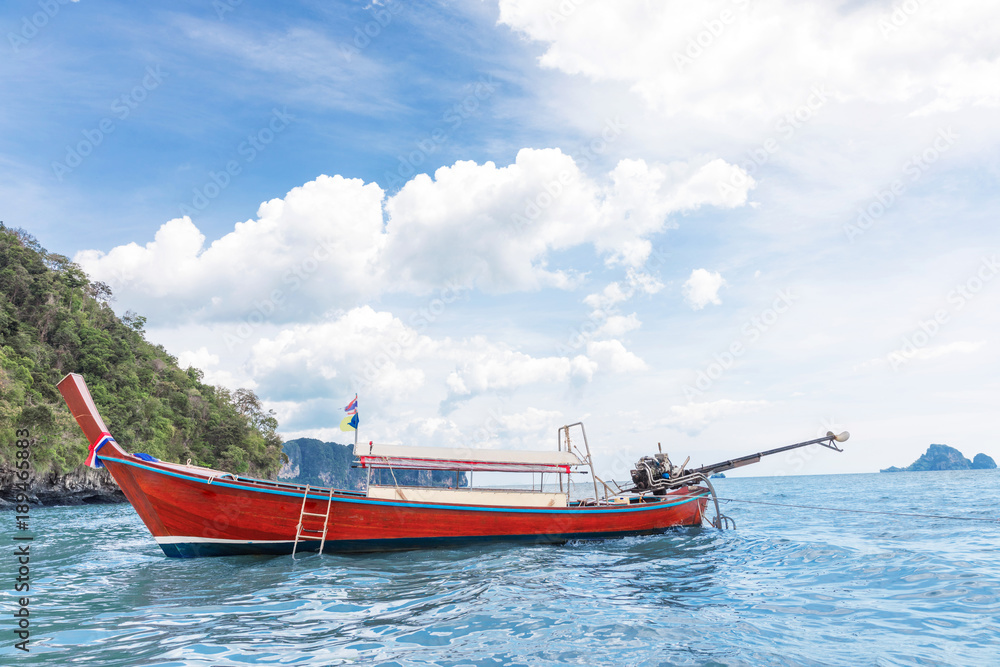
[614,293]
[606,320]
[607,298]
[702,288]
[533,421]
[208,363]
[482,366]
[612,356]
[487,367]
[318,245]
[200,358]
[709,54]
[497,226]
[389,360]
[617,326]
[334,242]
[359,348]
[496,428]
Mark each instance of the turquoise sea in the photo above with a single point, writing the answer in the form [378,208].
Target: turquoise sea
[789,586]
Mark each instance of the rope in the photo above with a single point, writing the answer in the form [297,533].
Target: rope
[837,509]
[394,482]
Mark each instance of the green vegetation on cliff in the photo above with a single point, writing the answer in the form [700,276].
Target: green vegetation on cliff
[54,320]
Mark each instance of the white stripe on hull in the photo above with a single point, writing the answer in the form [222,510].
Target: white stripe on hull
[181,539]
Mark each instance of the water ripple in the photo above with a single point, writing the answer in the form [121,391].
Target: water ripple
[789,587]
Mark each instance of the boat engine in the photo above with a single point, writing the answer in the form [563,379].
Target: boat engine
[651,472]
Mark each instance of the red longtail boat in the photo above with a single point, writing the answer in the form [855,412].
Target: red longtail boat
[195,511]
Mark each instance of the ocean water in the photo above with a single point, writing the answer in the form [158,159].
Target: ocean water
[788,586]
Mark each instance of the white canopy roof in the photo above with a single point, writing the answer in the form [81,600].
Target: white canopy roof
[455,458]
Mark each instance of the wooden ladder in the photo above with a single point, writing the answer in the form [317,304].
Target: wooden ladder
[301,531]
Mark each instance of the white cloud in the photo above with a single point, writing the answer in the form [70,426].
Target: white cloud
[643,282]
[200,358]
[487,367]
[702,288]
[496,227]
[611,295]
[205,361]
[605,302]
[612,356]
[617,326]
[614,293]
[532,421]
[360,348]
[326,245]
[754,59]
[318,245]
[376,353]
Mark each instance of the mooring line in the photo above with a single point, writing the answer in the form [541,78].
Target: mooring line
[838,509]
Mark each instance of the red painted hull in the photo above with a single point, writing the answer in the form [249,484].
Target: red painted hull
[191,514]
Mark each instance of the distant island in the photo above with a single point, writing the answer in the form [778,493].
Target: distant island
[943,457]
[718,475]
[319,463]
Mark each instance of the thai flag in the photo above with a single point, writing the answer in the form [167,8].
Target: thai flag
[92,459]
[352,407]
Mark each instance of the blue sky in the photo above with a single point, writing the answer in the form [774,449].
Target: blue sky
[355,109]
[492,218]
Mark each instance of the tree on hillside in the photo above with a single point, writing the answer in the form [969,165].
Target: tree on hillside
[54,320]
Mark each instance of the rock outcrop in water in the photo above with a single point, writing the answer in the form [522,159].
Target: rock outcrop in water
[80,486]
[983,462]
[943,457]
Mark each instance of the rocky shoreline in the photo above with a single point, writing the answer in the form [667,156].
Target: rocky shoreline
[81,486]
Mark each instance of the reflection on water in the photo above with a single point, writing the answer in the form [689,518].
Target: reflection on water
[789,586]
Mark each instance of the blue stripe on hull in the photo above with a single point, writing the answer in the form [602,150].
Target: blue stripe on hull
[198,549]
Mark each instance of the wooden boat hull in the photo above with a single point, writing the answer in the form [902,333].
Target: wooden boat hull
[190,514]
[193,511]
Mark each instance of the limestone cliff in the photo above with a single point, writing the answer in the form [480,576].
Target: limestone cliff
[943,457]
